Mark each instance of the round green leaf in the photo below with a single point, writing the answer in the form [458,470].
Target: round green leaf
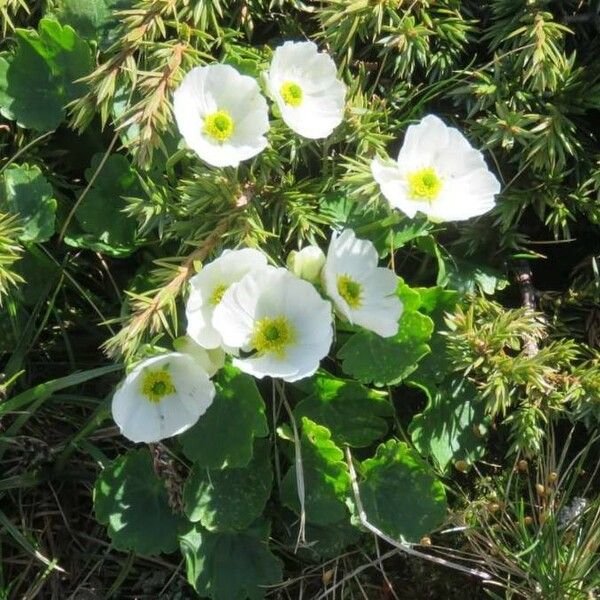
[230,566]
[453,425]
[322,541]
[225,434]
[40,78]
[132,501]
[101,212]
[92,19]
[25,192]
[400,494]
[387,361]
[354,414]
[325,476]
[230,499]
[436,365]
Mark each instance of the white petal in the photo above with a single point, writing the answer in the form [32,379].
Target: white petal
[383,320]
[393,187]
[235,315]
[468,196]
[421,143]
[229,268]
[459,158]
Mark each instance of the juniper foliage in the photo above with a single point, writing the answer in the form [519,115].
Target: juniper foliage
[113,215]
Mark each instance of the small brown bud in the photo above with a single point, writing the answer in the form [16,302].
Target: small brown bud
[552,477]
[528,520]
[540,489]
[493,507]
[327,576]
[425,541]
[461,465]
[522,465]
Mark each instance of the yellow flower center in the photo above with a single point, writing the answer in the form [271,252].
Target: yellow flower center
[217,294]
[350,291]
[219,126]
[291,93]
[273,336]
[424,184]
[157,384]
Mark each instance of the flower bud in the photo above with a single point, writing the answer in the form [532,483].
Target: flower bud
[307,263]
[461,465]
[210,360]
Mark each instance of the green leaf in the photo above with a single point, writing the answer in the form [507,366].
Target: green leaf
[436,300]
[322,541]
[386,361]
[40,78]
[132,501]
[24,191]
[376,223]
[230,566]
[225,434]
[92,19]
[325,476]
[453,425]
[354,414]
[436,365]
[100,214]
[469,277]
[230,499]
[400,494]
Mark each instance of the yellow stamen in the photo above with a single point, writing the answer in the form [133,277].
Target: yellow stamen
[219,126]
[291,93]
[424,184]
[350,291]
[273,336]
[157,384]
[217,294]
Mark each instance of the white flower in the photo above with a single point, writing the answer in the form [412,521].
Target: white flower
[307,263]
[362,292]
[207,289]
[280,319]
[438,173]
[163,396]
[221,115]
[211,360]
[304,84]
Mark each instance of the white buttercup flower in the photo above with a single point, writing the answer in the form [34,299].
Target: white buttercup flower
[221,115]
[305,86]
[207,289]
[362,292]
[306,263]
[161,397]
[279,320]
[437,173]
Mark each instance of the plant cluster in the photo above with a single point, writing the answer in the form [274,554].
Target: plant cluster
[332,266]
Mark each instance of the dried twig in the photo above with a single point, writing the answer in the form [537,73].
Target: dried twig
[524,278]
